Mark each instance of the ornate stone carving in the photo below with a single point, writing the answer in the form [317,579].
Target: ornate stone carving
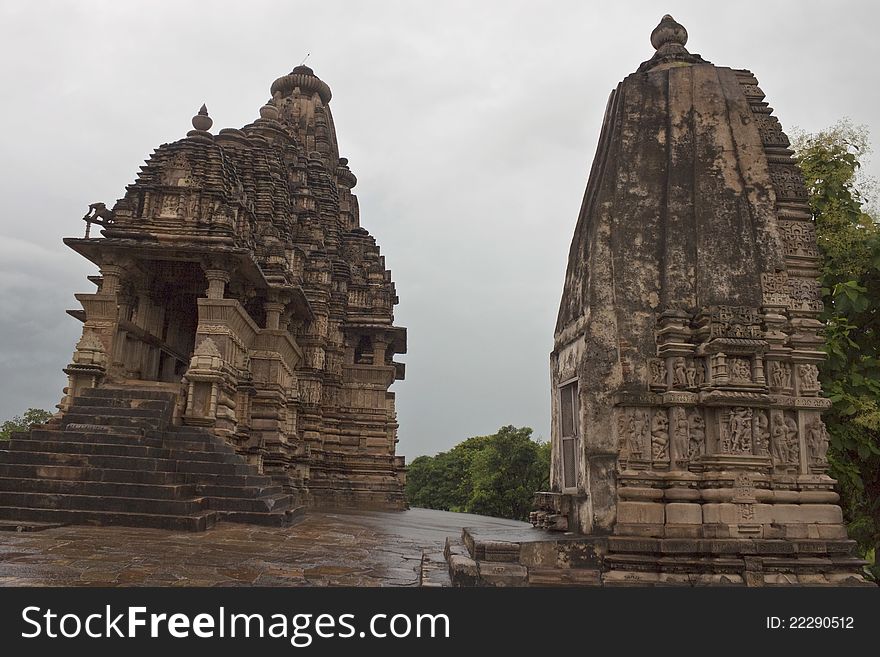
[770,130]
[817,442]
[680,434]
[784,434]
[761,428]
[806,295]
[740,370]
[633,429]
[697,435]
[799,238]
[774,288]
[808,378]
[788,182]
[736,431]
[780,375]
[660,436]
[657,368]
[679,372]
[734,322]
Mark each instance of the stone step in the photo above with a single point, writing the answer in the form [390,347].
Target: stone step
[84,473]
[93,437]
[103,503]
[117,449]
[209,479]
[109,488]
[129,393]
[213,468]
[196,446]
[112,411]
[272,519]
[196,522]
[149,464]
[90,447]
[88,419]
[264,504]
[434,571]
[93,429]
[211,490]
[88,403]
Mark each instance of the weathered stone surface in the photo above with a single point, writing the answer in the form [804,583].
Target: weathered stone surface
[686,399]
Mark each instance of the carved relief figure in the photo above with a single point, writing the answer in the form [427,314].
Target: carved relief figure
[780,374]
[791,439]
[680,430]
[809,377]
[659,436]
[737,432]
[679,372]
[817,441]
[762,434]
[740,370]
[658,372]
[697,435]
[640,432]
[691,375]
[780,443]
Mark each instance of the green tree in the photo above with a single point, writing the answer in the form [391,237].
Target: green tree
[849,239]
[491,475]
[23,422]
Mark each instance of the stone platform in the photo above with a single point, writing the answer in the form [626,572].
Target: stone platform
[490,556]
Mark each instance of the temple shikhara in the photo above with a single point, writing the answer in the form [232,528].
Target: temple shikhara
[236,356]
[687,438]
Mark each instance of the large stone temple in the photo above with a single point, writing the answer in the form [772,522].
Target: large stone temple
[236,356]
[687,438]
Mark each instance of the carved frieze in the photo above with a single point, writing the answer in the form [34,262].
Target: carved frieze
[780,375]
[774,288]
[805,295]
[799,238]
[734,322]
[788,182]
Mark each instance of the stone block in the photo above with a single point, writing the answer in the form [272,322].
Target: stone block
[832,531]
[633,513]
[565,576]
[463,571]
[682,531]
[684,514]
[645,531]
[539,554]
[722,513]
[502,574]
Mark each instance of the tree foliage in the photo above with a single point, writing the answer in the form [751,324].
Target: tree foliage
[849,239]
[493,475]
[23,422]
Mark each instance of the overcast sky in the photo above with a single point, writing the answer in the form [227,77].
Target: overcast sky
[471,127]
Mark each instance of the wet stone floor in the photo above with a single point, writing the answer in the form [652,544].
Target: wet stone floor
[325,549]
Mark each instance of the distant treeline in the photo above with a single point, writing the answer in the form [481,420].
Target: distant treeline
[495,475]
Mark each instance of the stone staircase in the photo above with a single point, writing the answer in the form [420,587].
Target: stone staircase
[115,459]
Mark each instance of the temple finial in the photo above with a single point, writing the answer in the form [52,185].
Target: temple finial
[669,33]
[202,121]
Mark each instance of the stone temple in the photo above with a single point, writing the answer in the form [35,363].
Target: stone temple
[236,356]
[687,440]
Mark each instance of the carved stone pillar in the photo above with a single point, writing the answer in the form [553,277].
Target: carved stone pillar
[217,280]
